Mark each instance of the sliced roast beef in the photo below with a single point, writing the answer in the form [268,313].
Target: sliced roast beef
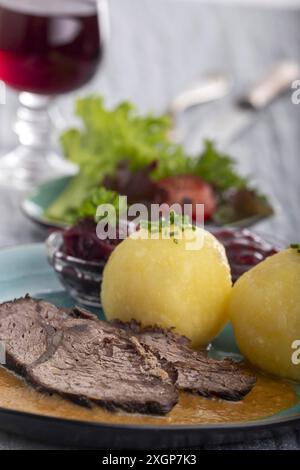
[197,372]
[29,305]
[29,328]
[26,326]
[94,362]
[84,359]
[46,310]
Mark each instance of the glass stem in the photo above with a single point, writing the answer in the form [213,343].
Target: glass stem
[33,126]
[33,160]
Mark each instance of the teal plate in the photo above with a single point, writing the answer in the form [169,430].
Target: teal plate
[40,199]
[25,269]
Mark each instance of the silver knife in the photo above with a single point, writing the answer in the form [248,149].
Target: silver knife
[229,125]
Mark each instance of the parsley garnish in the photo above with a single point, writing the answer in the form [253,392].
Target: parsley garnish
[171,226]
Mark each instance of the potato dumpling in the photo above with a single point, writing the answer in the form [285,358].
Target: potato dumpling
[161,282]
[265,313]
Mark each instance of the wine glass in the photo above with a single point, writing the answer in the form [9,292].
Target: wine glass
[46,48]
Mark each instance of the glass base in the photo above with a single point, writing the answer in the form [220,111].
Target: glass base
[26,167]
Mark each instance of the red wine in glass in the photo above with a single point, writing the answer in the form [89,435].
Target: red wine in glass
[47,47]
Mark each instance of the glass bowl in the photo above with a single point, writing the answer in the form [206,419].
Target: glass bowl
[82,279]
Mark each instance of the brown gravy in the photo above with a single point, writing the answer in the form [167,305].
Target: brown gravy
[269,396]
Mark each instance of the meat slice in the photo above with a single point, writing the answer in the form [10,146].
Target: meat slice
[30,328]
[46,310]
[30,305]
[93,362]
[26,326]
[197,372]
[84,359]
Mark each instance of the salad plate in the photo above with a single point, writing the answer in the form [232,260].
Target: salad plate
[38,201]
[25,269]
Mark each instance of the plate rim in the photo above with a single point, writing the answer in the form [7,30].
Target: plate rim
[239,426]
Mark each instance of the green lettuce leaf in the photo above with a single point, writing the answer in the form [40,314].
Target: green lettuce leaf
[218,169]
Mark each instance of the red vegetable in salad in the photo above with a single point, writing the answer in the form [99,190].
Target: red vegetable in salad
[187,189]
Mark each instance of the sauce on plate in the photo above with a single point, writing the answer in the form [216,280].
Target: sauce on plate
[269,396]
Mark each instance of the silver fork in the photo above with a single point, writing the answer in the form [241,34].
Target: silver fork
[209,87]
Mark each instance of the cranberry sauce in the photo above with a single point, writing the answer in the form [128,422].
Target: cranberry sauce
[81,241]
[244,249]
